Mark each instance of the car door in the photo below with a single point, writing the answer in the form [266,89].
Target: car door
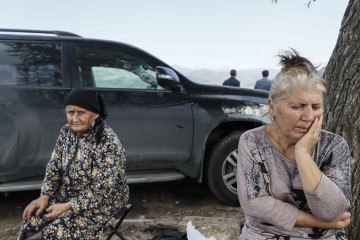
[32,89]
[154,124]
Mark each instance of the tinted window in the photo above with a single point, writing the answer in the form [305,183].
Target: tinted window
[108,67]
[36,64]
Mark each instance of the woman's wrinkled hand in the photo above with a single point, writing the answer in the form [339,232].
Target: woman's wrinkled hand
[308,141]
[342,222]
[39,204]
[56,210]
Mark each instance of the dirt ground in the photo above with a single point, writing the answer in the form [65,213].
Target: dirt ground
[157,207]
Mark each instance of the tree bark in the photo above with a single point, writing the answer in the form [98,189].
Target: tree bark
[342,104]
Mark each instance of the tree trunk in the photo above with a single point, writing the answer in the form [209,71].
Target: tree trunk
[342,104]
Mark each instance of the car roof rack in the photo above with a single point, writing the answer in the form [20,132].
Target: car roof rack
[55,32]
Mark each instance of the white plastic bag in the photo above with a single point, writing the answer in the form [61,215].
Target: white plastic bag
[193,234]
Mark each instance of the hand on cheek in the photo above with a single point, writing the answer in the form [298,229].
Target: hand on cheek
[308,141]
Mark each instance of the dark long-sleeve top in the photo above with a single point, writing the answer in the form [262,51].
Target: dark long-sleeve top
[271,193]
[233,82]
[263,84]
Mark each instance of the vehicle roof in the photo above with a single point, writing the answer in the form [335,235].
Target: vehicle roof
[30,31]
[54,36]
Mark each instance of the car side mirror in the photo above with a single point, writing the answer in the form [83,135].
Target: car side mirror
[168,79]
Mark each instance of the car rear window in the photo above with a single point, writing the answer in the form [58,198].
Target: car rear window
[35,64]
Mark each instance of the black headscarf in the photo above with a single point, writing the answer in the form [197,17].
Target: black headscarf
[88,99]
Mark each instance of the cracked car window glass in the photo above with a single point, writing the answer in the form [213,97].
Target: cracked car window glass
[107,67]
[35,64]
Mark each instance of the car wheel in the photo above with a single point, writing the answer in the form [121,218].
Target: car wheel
[221,169]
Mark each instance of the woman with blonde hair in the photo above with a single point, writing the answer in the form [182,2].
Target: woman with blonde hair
[293,177]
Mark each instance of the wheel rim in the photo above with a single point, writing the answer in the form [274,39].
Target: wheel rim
[228,171]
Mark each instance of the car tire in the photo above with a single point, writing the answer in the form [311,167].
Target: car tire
[221,169]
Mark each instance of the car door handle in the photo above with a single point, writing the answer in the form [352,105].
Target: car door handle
[4,102]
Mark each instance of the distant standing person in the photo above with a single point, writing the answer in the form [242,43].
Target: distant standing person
[232,81]
[264,83]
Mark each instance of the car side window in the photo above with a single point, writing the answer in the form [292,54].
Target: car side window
[35,64]
[108,67]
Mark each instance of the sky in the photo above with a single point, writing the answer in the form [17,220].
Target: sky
[211,34]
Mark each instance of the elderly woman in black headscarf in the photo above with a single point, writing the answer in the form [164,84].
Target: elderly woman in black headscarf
[85,183]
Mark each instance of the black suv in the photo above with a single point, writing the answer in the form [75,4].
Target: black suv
[170,126]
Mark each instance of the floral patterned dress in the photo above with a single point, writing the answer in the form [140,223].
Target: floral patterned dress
[88,171]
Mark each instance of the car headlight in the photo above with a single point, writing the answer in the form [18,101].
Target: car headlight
[259,110]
